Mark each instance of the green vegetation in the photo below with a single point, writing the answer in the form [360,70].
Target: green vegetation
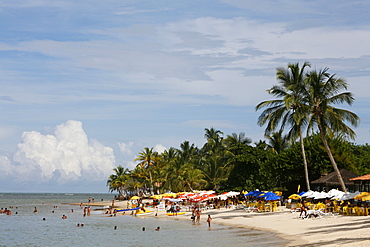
[305,105]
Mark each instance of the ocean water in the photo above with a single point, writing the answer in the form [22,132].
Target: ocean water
[25,228]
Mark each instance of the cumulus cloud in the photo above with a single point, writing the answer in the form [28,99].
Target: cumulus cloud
[65,156]
[159,148]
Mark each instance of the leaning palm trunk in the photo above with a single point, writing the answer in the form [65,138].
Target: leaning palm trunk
[322,134]
[304,161]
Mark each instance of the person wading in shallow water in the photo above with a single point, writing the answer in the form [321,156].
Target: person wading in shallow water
[209,219]
[198,213]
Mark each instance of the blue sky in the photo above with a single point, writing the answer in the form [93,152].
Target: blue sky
[86,85]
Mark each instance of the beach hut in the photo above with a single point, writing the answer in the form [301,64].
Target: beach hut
[362,183]
[331,181]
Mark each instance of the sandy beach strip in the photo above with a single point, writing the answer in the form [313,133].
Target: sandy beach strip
[326,231]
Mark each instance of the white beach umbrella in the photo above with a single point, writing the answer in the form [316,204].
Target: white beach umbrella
[349,196]
[335,194]
[313,194]
[231,193]
[308,193]
[222,197]
[322,195]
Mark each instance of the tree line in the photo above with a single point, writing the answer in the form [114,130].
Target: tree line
[306,137]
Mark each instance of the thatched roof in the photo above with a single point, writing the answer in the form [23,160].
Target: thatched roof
[332,178]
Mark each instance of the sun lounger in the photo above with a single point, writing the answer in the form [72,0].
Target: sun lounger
[252,209]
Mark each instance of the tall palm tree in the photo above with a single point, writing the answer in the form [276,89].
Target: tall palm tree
[147,157]
[291,109]
[214,139]
[118,180]
[324,90]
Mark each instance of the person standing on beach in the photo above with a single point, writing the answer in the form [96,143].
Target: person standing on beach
[209,219]
[303,209]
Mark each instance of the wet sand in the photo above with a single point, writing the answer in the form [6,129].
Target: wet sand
[327,231]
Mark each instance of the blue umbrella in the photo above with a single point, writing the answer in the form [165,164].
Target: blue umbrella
[301,193]
[267,194]
[253,193]
[272,198]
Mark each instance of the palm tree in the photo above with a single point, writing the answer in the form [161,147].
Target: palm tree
[118,180]
[236,139]
[324,90]
[277,142]
[147,157]
[290,110]
[214,139]
[194,177]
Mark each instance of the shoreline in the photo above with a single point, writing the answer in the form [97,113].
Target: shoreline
[327,231]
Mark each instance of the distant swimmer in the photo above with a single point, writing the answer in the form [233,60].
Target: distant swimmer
[115,227]
[158,228]
[35,210]
[43,219]
[143,229]
[78,225]
[64,217]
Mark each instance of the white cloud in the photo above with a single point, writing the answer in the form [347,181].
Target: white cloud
[6,168]
[126,148]
[159,148]
[63,157]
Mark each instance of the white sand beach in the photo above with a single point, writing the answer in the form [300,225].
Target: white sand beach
[326,231]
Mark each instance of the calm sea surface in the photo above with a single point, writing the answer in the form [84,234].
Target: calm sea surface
[25,228]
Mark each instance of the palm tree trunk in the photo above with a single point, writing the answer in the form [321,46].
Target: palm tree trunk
[151,183]
[322,134]
[304,161]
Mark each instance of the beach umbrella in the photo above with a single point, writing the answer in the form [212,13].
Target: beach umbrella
[134,198]
[335,194]
[278,193]
[366,198]
[223,198]
[231,193]
[173,195]
[308,193]
[361,195]
[156,196]
[254,193]
[295,197]
[313,194]
[322,195]
[272,197]
[349,196]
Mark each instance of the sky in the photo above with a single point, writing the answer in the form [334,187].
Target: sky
[86,85]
